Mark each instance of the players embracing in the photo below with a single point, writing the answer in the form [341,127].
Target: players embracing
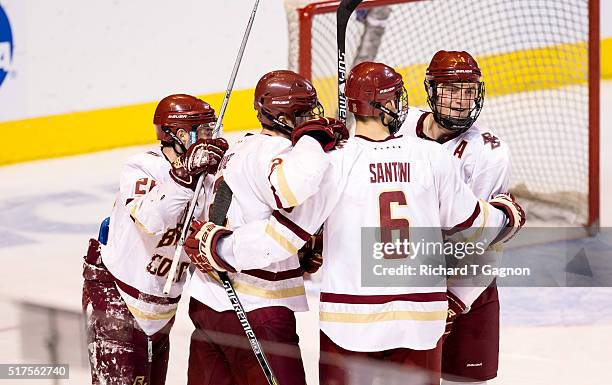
[277,168]
[402,324]
[297,174]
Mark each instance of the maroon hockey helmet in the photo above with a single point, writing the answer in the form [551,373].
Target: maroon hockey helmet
[370,86]
[285,93]
[181,111]
[464,90]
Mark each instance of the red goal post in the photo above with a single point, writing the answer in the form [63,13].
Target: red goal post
[540,61]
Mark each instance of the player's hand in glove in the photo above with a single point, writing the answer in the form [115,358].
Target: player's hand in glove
[456,307]
[329,132]
[203,156]
[201,247]
[514,212]
[311,254]
[216,149]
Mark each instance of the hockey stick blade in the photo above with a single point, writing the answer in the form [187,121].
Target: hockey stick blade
[221,204]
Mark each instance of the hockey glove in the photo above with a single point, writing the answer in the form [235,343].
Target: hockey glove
[203,156]
[201,247]
[513,211]
[311,254]
[456,307]
[329,132]
[216,149]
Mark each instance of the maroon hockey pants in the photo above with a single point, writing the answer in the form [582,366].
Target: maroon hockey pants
[220,353]
[120,353]
[471,351]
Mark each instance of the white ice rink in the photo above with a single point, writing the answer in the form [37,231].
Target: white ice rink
[49,209]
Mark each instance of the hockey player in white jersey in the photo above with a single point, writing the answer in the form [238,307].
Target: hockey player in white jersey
[128,316]
[375,180]
[455,94]
[277,168]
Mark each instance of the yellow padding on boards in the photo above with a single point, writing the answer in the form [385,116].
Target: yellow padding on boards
[82,132]
[88,131]
[606,58]
[505,73]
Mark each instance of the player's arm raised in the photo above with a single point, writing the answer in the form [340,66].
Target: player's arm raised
[257,244]
[145,199]
[287,106]
[202,157]
[156,207]
[297,174]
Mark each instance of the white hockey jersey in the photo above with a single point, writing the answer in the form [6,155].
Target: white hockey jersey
[144,229]
[369,184]
[265,173]
[484,163]
[483,159]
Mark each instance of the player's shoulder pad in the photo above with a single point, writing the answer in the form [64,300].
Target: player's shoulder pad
[409,125]
[260,149]
[428,149]
[146,160]
[416,112]
[152,155]
[491,145]
[416,141]
[271,146]
[485,138]
[346,147]
[342,159]
[270,141]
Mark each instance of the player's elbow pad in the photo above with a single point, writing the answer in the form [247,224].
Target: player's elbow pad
[147,224]
[298,177]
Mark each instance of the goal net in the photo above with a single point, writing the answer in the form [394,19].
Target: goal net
[540,65]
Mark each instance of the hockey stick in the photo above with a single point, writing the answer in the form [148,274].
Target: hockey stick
[250,333]
[218,213]
[345,9]
[216,131]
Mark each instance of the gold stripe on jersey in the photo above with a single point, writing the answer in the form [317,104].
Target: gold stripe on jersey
[285,190]
[256,291]
[485,214]
[151,316]
[382,316]
[136,221]
[281,240]
[498,247]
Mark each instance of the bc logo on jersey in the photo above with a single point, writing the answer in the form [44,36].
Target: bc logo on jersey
[6,45]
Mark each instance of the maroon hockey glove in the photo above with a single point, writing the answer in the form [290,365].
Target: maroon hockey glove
[513,211]
[216,148]
[311,254]
[93,256]
[455,308]
[201,247]
[329,132]
[203,156]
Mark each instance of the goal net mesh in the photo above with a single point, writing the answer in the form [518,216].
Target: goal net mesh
[534,55]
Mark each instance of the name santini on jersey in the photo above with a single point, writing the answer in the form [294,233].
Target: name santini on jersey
[388,172]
